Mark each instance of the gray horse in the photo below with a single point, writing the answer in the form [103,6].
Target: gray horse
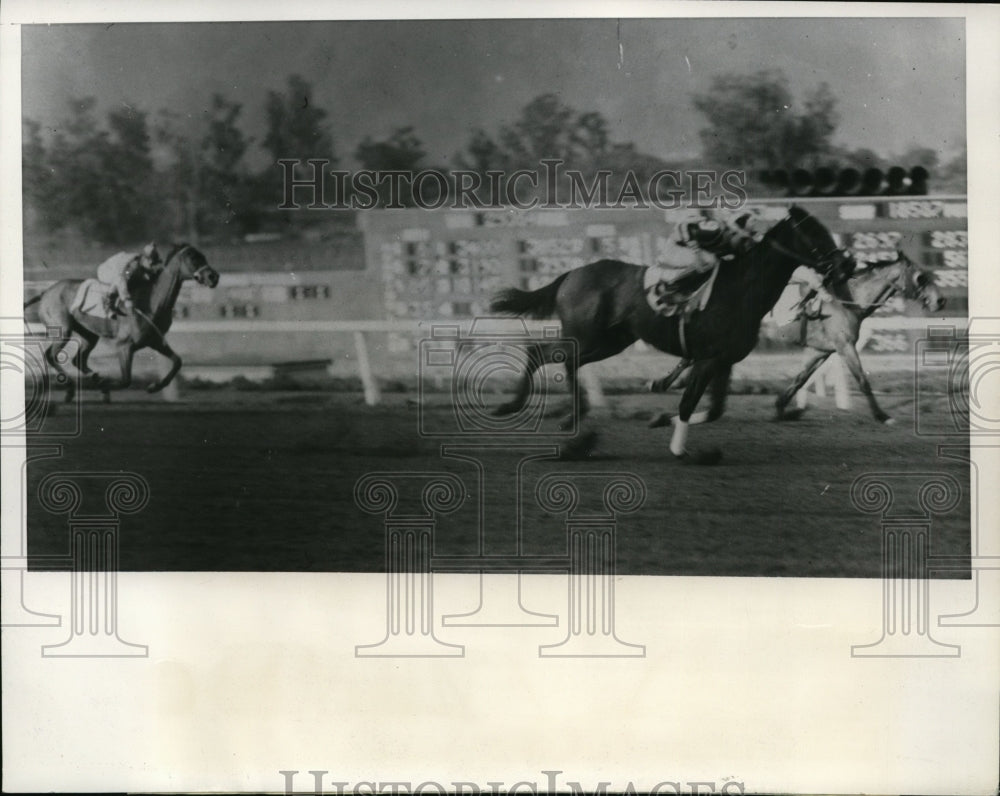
[146,327]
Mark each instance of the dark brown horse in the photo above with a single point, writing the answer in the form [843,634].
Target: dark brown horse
[144,327]
[603,307]
[838,328]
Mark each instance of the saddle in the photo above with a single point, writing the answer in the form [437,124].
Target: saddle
[92,299]
[670,295]
[811,308]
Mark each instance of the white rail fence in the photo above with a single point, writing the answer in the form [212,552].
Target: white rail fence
[832,373]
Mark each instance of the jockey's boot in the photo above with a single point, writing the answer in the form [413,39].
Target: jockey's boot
[688,281]
[111,303]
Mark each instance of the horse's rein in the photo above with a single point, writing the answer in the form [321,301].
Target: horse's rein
[177,253]
[149,321]
[166,262]
[815,264]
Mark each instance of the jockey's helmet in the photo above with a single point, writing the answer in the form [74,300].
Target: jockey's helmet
[701,229]
[748,228]
[150,255]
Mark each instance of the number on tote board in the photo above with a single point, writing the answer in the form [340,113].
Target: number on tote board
[876,240]
[951,278]
[949,239]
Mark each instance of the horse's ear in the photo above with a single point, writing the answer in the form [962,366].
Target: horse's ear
[797,213]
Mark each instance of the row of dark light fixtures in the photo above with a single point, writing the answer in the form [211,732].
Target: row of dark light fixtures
[896,181]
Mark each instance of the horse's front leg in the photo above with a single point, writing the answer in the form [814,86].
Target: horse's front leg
[719,385]
[702,373]
[850,356]
[125,351]
[161,347]
[664,384]
[797,383]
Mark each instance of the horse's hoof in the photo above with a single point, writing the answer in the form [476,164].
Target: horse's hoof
[790,414]
[154,388]
[660,420]
[889,421]
[709,457]
[657,386]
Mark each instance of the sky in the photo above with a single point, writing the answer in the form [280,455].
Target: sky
[899,82]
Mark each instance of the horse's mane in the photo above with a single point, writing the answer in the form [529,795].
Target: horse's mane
[175,248]
[807,224]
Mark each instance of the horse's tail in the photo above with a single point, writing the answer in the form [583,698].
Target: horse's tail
[33,300]
[537,304]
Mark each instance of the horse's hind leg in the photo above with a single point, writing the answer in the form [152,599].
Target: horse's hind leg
[52,357]
[850,356]
[88,340]
[579,406]
[797,383]
[66,369]
[618,343]
[523,392]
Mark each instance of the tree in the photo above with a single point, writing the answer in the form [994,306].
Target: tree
[920,156]
[752,122]
[402,151]
[96,180]
[296,126]
[548,129]
[129,185]
[180,177]
[223,183]
[203,173]
[37,177]
[481,154]
[862,159]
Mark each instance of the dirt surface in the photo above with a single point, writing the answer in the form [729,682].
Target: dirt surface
[265,482]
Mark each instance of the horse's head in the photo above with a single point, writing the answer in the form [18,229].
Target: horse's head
[192,264]
[914,284]
[800,236]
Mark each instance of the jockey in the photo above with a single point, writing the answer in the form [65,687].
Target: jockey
[119,269]
[816,292]
[702,238]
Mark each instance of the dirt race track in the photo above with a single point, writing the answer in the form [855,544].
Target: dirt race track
[265,482]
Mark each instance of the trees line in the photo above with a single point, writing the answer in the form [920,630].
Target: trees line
[135,175]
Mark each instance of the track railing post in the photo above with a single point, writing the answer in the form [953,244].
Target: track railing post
[368,381]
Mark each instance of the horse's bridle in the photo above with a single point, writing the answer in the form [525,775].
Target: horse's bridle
[893,285]
[197,273]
